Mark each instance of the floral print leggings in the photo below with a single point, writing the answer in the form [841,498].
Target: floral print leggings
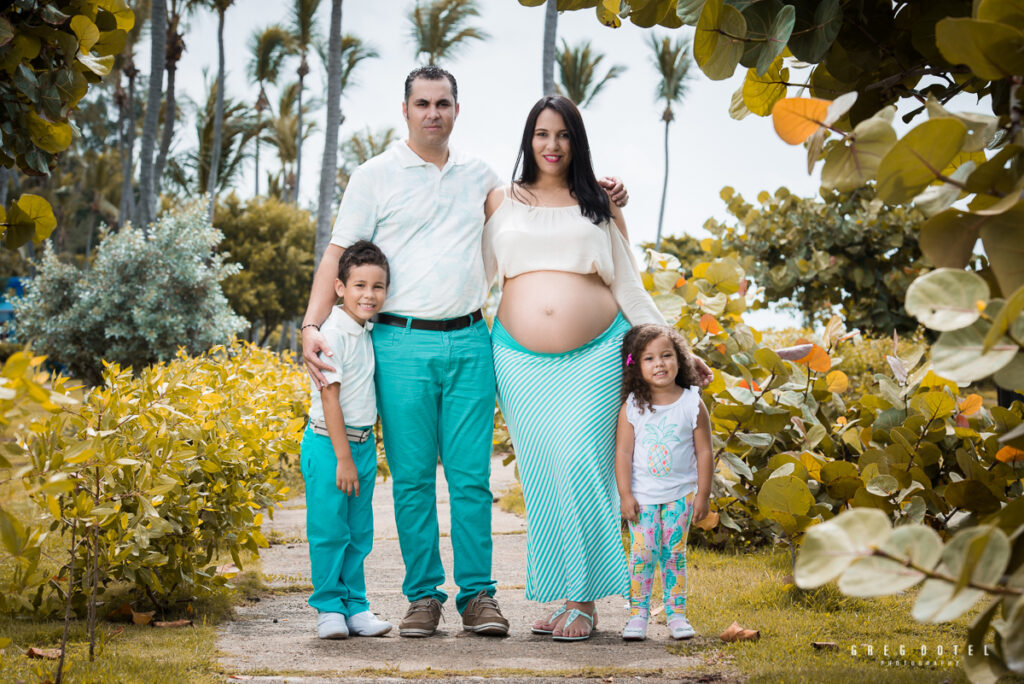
[659,535]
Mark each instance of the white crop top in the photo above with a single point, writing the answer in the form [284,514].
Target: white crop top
[520,238]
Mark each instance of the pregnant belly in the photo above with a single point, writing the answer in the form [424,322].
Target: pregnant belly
[554,311]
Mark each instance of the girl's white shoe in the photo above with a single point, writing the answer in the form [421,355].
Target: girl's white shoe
[367,624]
[636,629]
[679,628]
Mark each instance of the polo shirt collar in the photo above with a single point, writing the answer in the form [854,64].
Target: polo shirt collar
[407,158]
[349,326]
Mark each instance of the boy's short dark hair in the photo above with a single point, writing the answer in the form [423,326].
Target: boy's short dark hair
[430,73]
[360,254]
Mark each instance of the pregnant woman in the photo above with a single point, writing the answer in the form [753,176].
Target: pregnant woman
[569,286]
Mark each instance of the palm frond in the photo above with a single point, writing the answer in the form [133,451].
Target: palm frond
[303,24]
[440,27]
[267,49]
[578,72]
[672,61]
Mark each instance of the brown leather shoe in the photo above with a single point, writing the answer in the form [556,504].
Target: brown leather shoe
[421,619]
[483,616]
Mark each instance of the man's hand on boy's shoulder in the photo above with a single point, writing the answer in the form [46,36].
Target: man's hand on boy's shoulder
[314,342]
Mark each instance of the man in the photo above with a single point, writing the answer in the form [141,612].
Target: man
[423,204]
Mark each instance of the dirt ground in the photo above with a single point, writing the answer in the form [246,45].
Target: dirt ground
[273,637]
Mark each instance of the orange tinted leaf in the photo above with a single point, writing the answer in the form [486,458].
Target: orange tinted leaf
[735,632]
[797,118]
[720,348]
[817,360]
[709,325]
[680,282]
[744,385]
[709,522]
[1009,454]
[837,381]
[841,420]
[971,404]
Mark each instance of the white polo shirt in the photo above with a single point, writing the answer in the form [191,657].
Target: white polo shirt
[353,369]
[428,222]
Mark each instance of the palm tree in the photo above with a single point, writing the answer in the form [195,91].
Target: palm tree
[283,132]
[360,148]
[550,34]
[672,60]
[344,55]
[304,36]
[577,71]
[193,171]
[439,27]
[268,48]
[175,49]
[158,56]
[221,7]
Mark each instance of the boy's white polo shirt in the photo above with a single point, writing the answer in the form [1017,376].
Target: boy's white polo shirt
[428,222]
[353,369]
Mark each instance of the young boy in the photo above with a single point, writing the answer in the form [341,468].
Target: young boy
[339,459]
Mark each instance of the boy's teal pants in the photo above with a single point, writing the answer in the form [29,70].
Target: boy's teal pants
[435,395]
[339,527]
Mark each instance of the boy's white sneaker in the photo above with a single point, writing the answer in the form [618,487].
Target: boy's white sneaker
[367,624]
[679,628]
[331,626]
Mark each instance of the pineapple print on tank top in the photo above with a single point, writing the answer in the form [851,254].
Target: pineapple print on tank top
[658,440]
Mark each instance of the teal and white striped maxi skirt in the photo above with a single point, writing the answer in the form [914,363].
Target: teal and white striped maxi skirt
[561,411]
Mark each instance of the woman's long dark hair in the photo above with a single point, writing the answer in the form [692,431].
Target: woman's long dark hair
[594,203]
[633,346]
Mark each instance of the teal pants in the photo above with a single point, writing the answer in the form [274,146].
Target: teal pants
[339,527]
[435,395]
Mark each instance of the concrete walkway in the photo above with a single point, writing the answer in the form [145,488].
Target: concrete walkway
[274,639]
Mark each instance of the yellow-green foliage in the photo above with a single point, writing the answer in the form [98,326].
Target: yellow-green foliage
[164,469]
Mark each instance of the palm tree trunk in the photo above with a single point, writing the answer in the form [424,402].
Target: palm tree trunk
[166,135]
[329,165]
[550,33]
[664,191]
[175,46]
[157,59]
[218,117]
[259,127]
[126,134]
[298,141]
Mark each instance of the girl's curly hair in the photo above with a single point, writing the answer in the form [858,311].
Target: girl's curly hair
[633,345]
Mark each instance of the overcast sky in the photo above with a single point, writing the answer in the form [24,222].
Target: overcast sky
[500,79]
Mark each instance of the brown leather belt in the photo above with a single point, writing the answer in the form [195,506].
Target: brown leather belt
[445,325]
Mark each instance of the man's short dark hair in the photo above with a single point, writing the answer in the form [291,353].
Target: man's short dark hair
[360,254]
[430,73]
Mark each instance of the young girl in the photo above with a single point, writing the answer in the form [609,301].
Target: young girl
[663,468]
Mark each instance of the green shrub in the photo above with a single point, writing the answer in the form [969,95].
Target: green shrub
[157,474]
[145,297]
[273,242]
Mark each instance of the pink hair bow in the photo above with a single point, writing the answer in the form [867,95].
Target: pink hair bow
[629,359]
